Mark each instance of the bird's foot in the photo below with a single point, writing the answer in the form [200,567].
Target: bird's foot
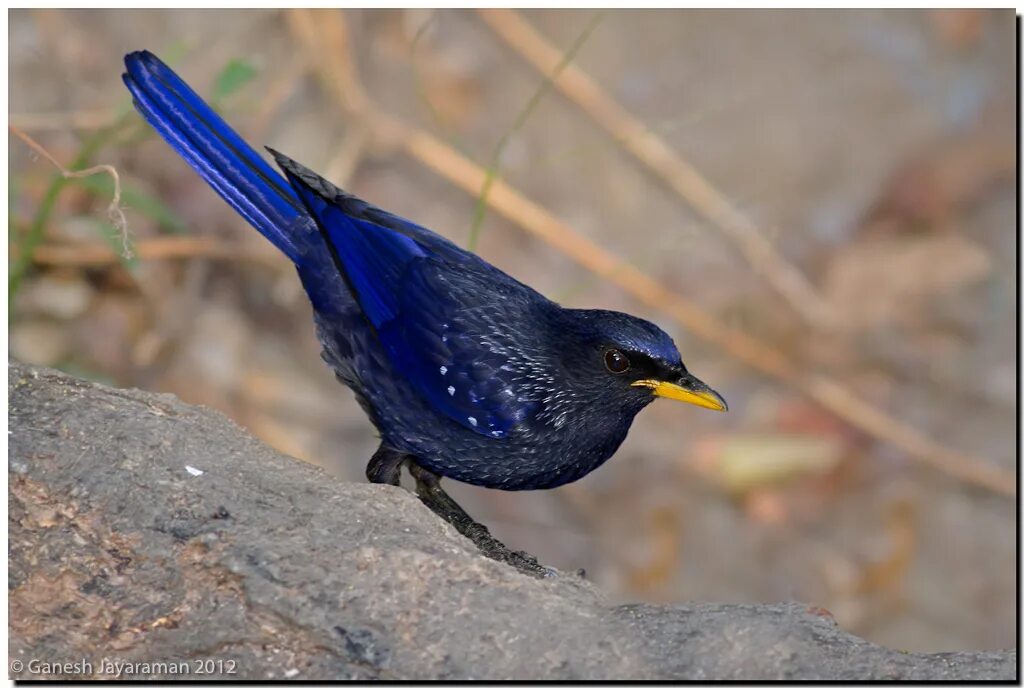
[428,488]
[385,466]
[491,547]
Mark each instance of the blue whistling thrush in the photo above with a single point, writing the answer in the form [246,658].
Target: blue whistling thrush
[466,372]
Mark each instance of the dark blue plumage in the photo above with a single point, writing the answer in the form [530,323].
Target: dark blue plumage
[471,373]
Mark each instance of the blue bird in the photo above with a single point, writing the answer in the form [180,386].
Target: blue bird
[465,372]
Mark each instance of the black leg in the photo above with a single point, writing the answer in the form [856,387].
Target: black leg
[386,466]
[428,488]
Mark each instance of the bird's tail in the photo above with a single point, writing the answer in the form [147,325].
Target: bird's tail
[227,163]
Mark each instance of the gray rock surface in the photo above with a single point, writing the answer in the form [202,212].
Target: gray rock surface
[121,550]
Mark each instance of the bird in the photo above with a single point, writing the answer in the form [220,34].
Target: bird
[465,372]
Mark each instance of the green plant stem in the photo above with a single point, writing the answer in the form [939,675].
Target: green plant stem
[480,211]
[34,235]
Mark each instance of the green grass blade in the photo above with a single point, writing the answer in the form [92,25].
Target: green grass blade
[480,212]
[235,74]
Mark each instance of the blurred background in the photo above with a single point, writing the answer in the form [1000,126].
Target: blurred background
[872,153]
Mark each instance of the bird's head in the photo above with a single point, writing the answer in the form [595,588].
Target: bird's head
[624,360]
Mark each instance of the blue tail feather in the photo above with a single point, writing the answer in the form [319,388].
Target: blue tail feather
[234,170]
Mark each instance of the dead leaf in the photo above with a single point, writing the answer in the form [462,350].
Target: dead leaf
[743,463]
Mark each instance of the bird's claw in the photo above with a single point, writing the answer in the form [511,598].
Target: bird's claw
[519,560]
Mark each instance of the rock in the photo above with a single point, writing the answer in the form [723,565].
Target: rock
[151,538]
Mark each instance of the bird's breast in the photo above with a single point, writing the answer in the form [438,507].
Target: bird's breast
[534,456]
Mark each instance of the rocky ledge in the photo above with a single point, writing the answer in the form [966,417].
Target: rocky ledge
[153,539]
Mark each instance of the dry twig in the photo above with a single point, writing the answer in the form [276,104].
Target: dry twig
[510,203]
[155,248]
[675,172]
[321,35]
[343,164]
[318,35]
[277,94]
[114,211]
[62,121]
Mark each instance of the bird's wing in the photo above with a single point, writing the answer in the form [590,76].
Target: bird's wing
[437,313]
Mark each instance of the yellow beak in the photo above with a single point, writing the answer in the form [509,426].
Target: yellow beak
[694,392]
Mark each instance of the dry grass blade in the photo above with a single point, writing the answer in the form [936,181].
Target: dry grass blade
[679,175]
[319,36]
[323,35]
[529,216]
[117,217]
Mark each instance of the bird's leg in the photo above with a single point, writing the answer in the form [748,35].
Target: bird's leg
[428,488]
[386,466]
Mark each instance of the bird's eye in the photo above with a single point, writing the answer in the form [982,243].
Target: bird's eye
[616,361]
